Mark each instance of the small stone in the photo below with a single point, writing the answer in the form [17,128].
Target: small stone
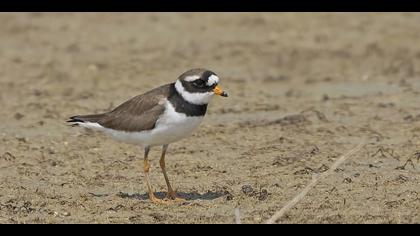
[263,195]
[19,116]
[22,139]
[347,180]
[229,197]
[93,67]
[247,189]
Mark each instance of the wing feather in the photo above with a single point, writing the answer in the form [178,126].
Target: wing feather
[139,113]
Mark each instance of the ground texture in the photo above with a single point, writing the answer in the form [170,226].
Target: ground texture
[304,89]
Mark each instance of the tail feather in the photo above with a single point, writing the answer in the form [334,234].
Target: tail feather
[85,118]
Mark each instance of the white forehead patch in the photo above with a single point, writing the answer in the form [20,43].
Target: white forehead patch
[191,78]
[213,79]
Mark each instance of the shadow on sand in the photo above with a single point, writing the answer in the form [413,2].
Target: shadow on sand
[187,196]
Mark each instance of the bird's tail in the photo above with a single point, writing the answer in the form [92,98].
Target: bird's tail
[77,120]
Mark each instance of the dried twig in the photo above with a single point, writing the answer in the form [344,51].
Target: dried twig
[314,181]
[237,216]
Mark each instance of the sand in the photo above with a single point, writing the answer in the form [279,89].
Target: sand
[305,88]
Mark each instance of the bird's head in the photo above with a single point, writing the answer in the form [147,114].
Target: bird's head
[198,86]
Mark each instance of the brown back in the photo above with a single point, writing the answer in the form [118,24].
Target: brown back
[139,113]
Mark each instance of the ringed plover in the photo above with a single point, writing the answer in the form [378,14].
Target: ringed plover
[158,117]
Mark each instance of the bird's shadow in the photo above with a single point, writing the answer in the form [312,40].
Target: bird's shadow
[187,196]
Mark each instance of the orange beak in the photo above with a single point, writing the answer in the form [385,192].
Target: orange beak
[219,91]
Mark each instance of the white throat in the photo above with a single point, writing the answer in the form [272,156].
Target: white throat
[194,98]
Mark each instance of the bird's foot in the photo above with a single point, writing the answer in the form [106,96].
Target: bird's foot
[158,201]
[172,196]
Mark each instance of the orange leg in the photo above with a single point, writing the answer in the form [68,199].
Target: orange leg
[146,169]
[171,193]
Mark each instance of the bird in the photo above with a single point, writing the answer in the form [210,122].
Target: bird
[159,117]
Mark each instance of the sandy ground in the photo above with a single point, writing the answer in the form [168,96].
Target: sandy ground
[304,89]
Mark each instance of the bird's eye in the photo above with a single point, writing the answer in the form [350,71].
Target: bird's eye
[199,83]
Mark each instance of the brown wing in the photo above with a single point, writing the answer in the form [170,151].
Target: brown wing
[139,113]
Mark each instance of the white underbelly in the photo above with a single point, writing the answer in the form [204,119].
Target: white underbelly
[165,133]
[160,135]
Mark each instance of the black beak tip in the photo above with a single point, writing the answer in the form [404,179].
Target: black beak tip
[224,94]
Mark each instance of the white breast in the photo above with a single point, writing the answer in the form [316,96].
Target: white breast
[173,126]
[170,127]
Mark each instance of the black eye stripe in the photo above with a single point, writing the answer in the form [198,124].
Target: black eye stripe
[199,82]
[197,86]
